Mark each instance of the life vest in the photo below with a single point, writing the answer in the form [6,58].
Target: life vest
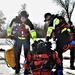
[42,60]
[20,30]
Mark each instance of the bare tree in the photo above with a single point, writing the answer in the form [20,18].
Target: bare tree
[2,23]
[2,20]
[67,7]
[23,8]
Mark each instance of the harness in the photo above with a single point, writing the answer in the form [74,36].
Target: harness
[40,61]
[20,31]
[23,32]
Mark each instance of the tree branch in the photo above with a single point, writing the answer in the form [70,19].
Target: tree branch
[72,10]
[66,5]
[62,4]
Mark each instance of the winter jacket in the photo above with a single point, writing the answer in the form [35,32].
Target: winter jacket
[57,25]
[27,28]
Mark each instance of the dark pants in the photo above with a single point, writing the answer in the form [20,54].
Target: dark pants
[60,51]
[17,52]
[72,56]
[62,40]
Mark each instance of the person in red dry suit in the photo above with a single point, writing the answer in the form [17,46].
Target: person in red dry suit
[42,60]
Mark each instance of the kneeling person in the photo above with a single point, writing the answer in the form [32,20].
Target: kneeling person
[42,60]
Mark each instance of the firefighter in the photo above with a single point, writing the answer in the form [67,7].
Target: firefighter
[72,43]
[21,29]
[58,30]
[41,60]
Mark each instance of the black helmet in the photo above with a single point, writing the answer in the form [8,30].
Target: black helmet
[43,45]
[24,14]
[45,16]
[40,43]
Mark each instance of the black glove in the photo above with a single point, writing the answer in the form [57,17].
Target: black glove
[34,44]
[26,72]
[58,72]
[47,38]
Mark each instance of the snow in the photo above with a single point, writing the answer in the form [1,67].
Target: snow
[5,70]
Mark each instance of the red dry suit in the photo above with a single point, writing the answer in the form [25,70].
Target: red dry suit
[41,64]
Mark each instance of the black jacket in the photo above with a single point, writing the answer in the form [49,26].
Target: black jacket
[17,20]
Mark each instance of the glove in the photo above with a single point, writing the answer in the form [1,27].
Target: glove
[11,37]
[47,38]
[34,44]
[25,74]
[72,42]
[59,72]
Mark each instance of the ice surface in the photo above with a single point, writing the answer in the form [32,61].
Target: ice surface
[5,70]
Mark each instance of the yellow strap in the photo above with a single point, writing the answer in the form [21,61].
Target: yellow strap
[21,38]
[56,52]
[69,30]
[65,30]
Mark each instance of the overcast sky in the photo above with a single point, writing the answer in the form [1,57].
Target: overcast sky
[35,8]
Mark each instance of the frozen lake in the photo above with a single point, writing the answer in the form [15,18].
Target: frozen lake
[5,70]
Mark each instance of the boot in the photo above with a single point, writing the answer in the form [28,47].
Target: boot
[72,66]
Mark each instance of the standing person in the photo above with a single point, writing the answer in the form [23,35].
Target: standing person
[72,43]
[41,60]
[21,31]
[58,29]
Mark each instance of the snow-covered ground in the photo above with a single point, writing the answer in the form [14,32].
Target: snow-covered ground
[5,70]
